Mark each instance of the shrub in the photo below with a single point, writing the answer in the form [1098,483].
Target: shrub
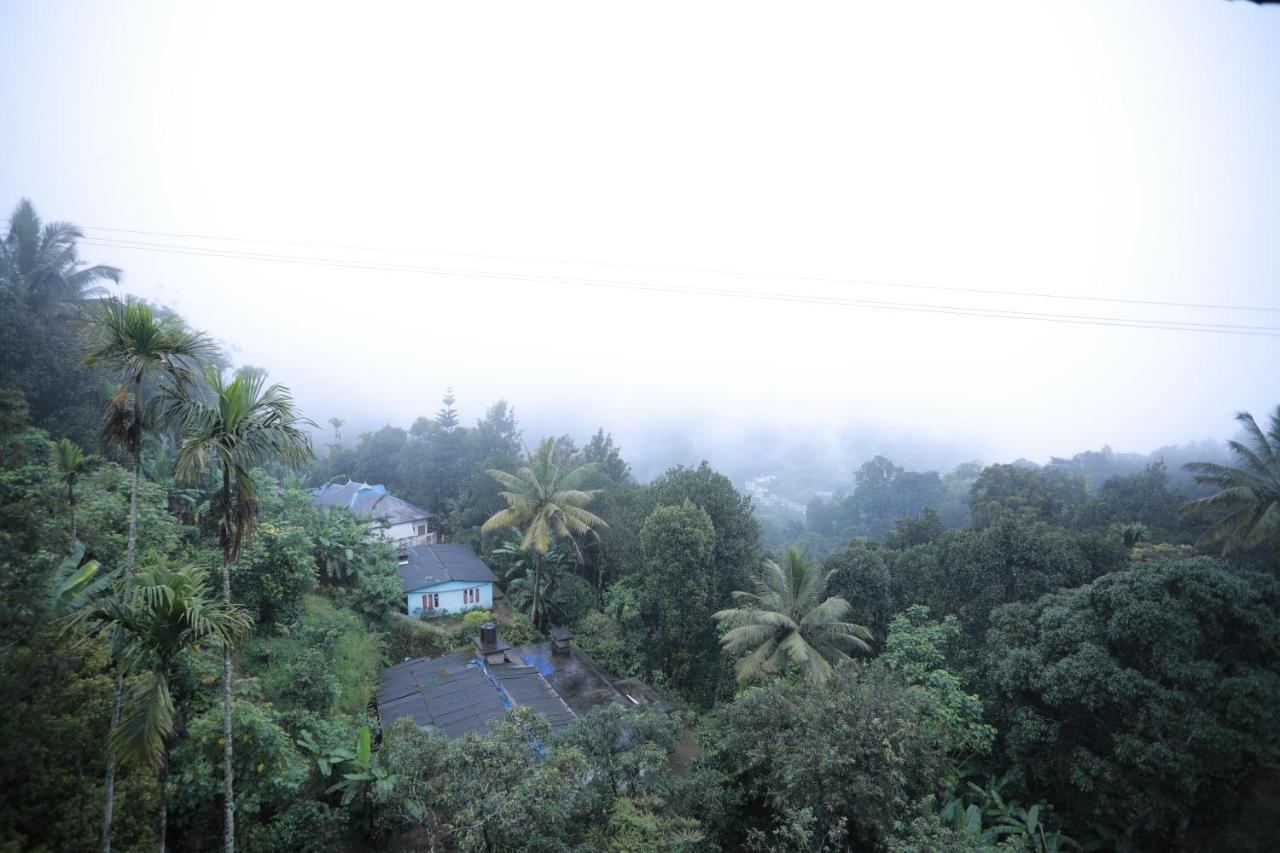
[605,640]
[413,638]
[519,631]
[476,618]
[327,660]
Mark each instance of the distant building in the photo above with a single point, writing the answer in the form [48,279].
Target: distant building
[464,691]
[389,516]
[444,579]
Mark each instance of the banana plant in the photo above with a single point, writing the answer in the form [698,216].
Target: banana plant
[326,757]
[985,815]
[362,773]
[75,582]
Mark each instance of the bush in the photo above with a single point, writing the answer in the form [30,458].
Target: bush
[413,638]
[476,618]
[310,684]
[605,640]
[519,631]
[305,827]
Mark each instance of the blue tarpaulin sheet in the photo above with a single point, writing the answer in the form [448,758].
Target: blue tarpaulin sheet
[543,665]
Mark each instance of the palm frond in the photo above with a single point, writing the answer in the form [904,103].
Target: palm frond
[140,737]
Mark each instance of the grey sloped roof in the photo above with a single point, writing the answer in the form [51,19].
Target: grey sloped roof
[372,502]
[525,686]
[450,693]
[430,564]
[458,694]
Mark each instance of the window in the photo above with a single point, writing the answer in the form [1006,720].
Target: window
[420,529]
[471,595]
[431,601]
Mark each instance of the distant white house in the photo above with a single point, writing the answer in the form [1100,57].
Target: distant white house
[444,579]
[389,516]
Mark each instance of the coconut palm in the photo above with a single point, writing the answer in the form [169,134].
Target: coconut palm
[38,262]
[161,612]
[545,497]
[143,349]
[71,463]
[786,624]
[243,425]
[1247,505]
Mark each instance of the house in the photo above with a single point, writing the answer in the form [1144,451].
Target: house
[466,690]
[444,578]
[389,516]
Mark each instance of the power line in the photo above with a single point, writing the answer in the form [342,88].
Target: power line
[1073,319]
[695,270]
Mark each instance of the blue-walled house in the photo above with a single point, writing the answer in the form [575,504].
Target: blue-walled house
[445,579]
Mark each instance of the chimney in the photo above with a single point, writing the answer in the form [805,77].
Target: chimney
[561,641]
[491,645]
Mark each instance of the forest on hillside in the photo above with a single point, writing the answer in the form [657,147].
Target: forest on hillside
[1080,655]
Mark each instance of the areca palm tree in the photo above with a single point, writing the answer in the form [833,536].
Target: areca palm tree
[39,262]
[1247,505]
[243,425]
[142,349]
[161,612]
[129,339]
[545,497]
[71,463]
[786,624]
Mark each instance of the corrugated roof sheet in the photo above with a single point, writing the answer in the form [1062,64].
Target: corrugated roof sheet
[458,694]
[367,501]
[429,564]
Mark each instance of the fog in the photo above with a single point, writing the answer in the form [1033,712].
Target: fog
[666,221]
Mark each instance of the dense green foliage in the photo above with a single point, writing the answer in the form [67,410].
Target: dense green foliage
[1142,698]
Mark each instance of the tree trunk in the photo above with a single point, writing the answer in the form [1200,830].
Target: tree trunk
[135,459]
[537,583]
[228,772]
[71,503]
[110,785]
[163,778]
[131,556]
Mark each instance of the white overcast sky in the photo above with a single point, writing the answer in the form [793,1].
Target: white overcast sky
[1127,150]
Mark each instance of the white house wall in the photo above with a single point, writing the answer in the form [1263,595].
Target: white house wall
[402,533]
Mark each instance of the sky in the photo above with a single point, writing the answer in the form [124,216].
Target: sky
[696,225]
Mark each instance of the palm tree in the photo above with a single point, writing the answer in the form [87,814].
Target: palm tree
[784,627]
[1247,504]
[161,612]
[128,338]
[38,262]
[526,567]
[242,426]
[545,499]
[71,463]
[337,423]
